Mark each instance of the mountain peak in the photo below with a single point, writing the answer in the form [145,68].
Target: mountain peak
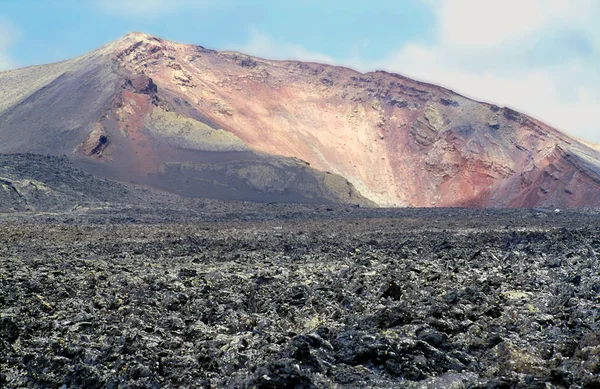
[127,40]
[133,38]
[137,35]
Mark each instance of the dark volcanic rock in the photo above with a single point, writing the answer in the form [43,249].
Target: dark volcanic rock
[362,299]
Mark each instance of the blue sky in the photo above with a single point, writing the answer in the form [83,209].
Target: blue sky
[538,56]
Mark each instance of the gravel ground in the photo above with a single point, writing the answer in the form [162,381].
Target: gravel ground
[357,299]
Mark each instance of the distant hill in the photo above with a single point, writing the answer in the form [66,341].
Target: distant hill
[229,126]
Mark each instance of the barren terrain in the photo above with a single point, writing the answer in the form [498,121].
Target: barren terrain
[299,297]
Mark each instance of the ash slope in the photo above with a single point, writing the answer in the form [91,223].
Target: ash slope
[167,115]
[47,187]
[30,182]
[426,299]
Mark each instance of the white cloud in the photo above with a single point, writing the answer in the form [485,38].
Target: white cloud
[8,35]
[262,45]
[153,8]
[486,22]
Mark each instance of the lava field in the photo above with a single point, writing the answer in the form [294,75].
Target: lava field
[357,299]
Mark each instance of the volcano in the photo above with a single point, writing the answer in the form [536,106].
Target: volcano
[226,125]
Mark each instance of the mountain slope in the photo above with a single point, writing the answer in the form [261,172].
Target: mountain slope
[108,121]
[201,122]
[30,182]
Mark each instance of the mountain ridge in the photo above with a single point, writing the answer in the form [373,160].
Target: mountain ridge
[398,141]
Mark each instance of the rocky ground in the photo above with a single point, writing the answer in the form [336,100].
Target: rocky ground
[299,297]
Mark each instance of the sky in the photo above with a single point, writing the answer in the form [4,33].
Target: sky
[541,57]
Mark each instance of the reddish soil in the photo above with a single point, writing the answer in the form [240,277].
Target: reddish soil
[400,142]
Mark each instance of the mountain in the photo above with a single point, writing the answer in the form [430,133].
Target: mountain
[204,123]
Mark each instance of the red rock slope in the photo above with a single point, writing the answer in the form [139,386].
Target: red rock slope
[398,141]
